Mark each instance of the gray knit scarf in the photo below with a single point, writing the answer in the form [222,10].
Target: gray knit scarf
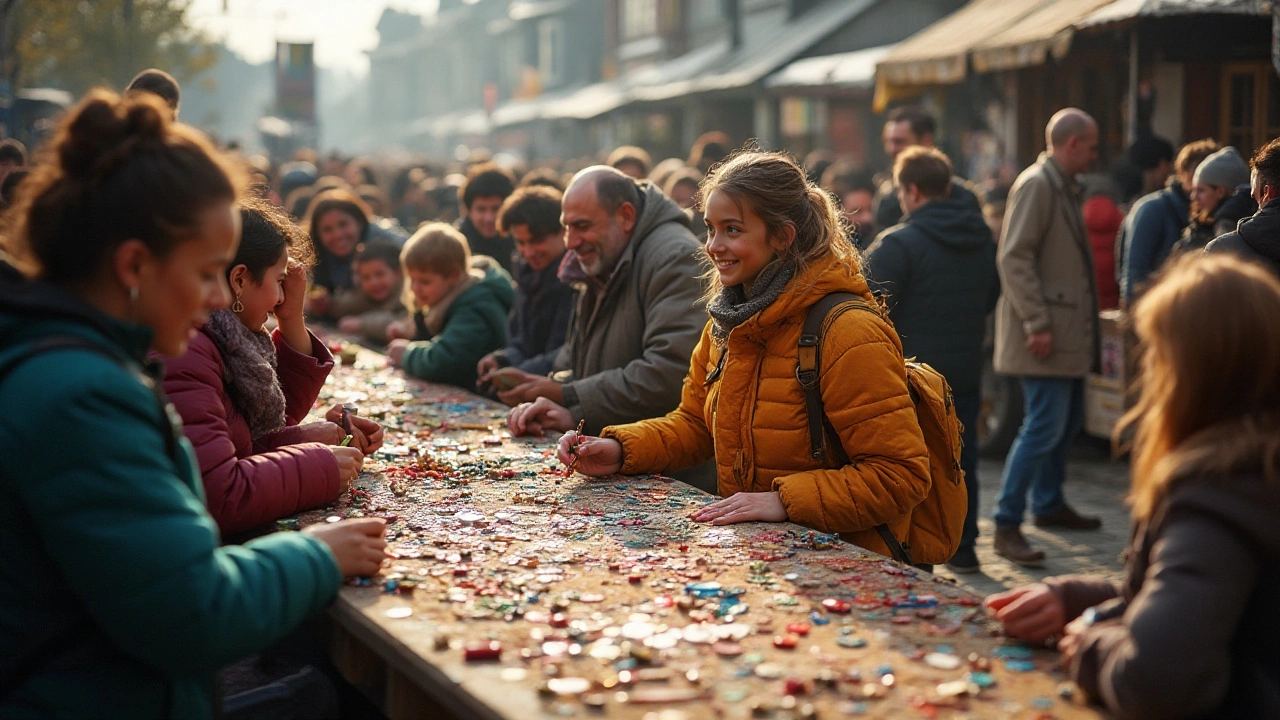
[249,372]
[733,306]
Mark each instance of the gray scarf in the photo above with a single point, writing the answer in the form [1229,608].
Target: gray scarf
[732,306]
[249,372]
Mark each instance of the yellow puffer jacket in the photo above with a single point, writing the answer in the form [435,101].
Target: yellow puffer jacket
[752,418]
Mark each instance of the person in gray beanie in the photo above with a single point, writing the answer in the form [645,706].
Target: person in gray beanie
[1219,199]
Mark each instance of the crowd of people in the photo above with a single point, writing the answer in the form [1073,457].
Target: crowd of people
[805,340]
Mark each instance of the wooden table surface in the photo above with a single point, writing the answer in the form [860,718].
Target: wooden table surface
[606,601]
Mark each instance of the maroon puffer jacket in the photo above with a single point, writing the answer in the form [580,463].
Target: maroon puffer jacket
[249,484]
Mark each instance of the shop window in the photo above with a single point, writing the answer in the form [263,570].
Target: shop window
[1250,106]
[639,18]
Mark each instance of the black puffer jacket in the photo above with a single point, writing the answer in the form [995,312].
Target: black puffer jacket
[937,273]
[1257,238]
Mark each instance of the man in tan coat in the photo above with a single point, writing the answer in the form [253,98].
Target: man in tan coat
[1046,330]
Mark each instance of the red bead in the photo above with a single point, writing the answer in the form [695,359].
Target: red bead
[798,628]
[481,651]
[836,606]
[559,621]
[795,686]
[663,601]
[785,642]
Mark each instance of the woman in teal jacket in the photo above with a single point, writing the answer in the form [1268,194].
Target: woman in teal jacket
[115,597]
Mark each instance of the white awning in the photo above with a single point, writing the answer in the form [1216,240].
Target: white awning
[855,70]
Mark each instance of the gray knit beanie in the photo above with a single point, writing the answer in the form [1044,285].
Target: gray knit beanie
[1224,168]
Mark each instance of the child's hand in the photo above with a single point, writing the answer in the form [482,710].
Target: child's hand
[395,351]
[350,324]
[487,364]
[539,417]
[401,330]
[295,293]
[743,507]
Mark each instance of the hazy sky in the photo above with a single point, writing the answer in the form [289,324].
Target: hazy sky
[341,29]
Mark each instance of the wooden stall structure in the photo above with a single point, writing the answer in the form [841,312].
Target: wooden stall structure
[519,592]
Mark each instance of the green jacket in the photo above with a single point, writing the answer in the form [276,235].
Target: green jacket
[115,597]
[475,324]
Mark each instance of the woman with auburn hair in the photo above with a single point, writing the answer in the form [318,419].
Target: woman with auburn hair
[777,246]
[1192,630]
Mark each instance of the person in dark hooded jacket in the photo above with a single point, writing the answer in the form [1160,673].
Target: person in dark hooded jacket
[937,274]
[1258,237]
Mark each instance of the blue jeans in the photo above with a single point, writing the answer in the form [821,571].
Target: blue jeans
[1054,415]
[968,406]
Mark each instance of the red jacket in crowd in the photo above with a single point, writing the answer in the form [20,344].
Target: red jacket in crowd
[1102,218]
[250,484]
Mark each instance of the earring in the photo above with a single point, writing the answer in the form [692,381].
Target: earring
[237,306]
[133,295]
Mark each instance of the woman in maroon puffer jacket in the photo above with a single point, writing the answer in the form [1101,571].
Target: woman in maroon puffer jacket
[241,392]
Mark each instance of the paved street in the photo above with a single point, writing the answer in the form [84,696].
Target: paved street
[1096,485]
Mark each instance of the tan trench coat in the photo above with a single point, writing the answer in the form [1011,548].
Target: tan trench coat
[1047,278]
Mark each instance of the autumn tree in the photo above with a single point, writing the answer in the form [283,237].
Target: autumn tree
[79,44]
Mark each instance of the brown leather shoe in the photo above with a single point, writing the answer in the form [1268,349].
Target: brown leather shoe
[1011,545]
[1068,519]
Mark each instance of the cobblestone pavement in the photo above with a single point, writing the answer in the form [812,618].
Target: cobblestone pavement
[1096,486]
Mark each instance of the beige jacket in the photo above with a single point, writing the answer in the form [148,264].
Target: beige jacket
[1047,277]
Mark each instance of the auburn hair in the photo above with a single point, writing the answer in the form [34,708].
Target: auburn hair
[1208,390]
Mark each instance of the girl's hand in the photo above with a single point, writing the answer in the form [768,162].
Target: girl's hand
[329,433]
[395,351]
[357,545]
[350,325]
[350,461]
[1032,612]
[295,293]
[589,455]
[743,507]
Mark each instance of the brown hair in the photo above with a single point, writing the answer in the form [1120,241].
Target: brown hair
[1193,153]
[777,191]
[631,155]
[1209,392]
[486,180]
[266,233]
[336,199]
[537,207]
[115,169]
[929,169]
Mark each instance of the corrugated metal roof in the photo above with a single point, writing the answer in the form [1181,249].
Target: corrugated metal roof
[939,53]
[1123,10]
[845,70]
[754,60]
[1030,40]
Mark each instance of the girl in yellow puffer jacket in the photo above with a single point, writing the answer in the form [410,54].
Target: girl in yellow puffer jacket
[778,247]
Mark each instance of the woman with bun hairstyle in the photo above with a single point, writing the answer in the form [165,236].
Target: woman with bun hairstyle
[777,247]
[1192,631]
[241,390]
[116,599]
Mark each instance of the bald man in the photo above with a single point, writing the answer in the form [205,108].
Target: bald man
[639,313]
[1046,330]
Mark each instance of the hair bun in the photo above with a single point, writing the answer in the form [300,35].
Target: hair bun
[106,128]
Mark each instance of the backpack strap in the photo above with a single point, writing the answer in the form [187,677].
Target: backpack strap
[808,360]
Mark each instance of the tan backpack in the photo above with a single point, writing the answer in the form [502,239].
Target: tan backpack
[936,523]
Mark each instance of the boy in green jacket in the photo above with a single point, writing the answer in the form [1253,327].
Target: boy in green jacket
[460,307]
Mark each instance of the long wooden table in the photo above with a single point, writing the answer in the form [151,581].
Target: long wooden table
[518,592]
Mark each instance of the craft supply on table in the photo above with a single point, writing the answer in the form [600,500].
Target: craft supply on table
[546,595]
